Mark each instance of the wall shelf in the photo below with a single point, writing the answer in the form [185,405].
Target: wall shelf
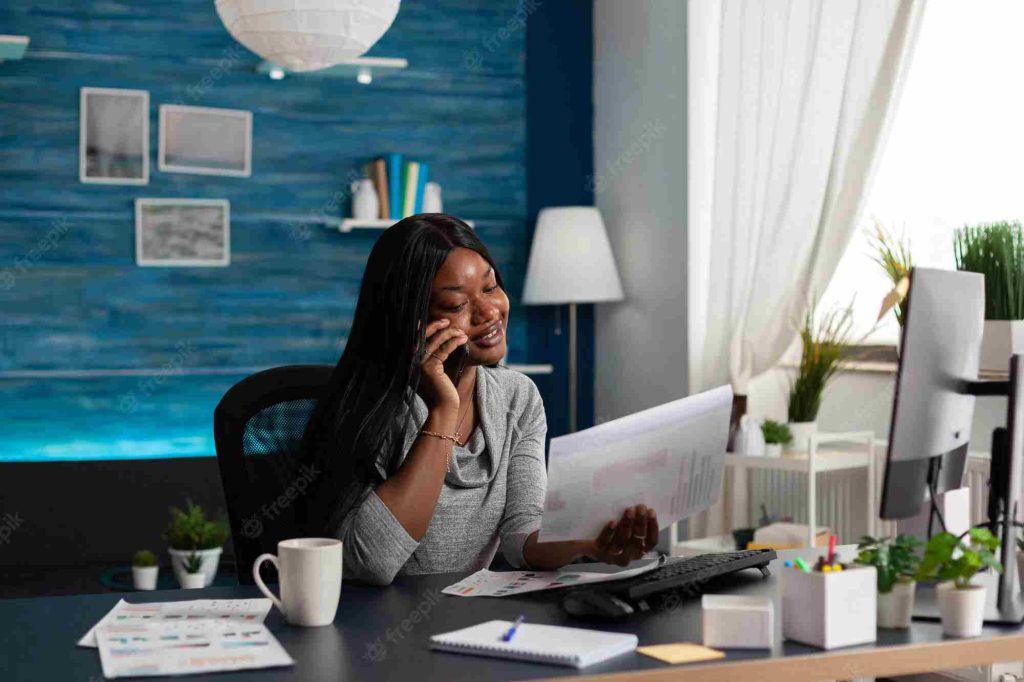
[361,69]
[349,224]
[12,47]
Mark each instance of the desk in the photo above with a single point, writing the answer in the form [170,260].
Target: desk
[40,635]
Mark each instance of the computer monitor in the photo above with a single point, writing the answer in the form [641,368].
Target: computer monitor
[936,387]
[944,317]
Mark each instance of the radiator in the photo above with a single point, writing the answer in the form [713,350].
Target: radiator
[841,504]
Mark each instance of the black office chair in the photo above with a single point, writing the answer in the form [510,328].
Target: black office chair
[258,428]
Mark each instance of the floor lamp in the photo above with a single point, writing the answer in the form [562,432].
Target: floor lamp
[571,262]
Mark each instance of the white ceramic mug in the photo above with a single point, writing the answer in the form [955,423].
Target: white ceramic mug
[309,571]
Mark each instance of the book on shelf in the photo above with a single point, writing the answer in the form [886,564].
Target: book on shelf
[410,180]
[379,175]
[395,185]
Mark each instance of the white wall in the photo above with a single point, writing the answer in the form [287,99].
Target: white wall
[640,187]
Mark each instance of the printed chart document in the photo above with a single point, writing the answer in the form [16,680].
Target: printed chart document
[508,583]
[669,458]
[244,610]
[167,647]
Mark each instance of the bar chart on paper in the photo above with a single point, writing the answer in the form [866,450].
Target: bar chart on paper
[669,458]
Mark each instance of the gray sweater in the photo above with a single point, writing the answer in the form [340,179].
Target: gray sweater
[493,495]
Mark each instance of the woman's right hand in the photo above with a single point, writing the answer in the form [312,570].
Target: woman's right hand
[435,387]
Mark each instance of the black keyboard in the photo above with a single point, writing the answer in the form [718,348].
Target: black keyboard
[688,573]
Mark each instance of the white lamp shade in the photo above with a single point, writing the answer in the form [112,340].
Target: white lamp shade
[307,35]
[571,260]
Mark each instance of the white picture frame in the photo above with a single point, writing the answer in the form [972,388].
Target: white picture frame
[205,140]
[113,136]
[182,232]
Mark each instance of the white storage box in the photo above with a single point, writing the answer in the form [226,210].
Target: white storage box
[829,610]
[738,622]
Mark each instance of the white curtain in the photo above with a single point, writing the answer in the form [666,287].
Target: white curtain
[789,104]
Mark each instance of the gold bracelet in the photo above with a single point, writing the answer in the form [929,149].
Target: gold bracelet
[448,455]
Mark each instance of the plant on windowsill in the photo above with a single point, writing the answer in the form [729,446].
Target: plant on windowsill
[893,256]
[996,251]
[896,562]
[188,532]
[193,578]
[822,343]
[776,435]
[953,562]
[145,569]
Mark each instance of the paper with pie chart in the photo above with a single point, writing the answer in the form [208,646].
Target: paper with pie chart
[669,458]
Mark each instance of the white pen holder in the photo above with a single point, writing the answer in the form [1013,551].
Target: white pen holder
[829,610]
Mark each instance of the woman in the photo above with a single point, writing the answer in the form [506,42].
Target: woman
[433,455]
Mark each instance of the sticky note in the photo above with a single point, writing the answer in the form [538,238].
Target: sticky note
[681,652]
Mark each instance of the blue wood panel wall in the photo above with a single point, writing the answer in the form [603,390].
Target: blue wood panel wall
[100,358]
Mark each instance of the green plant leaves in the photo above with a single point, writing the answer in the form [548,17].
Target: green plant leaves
[996,251]
[947,557]
[893,559]
[189,529]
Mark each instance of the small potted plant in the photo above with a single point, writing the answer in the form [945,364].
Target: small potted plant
[190,532]
[996,251]
[144,570]
[193,578]
[896,563]
[823,342]
[953,561]
[776,436]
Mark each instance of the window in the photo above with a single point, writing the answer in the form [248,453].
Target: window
[955,152]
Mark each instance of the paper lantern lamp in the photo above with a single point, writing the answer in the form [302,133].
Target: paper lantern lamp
[307,35]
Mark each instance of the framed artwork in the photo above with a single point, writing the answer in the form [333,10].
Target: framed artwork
[205,141]
[113,138]
[182,232]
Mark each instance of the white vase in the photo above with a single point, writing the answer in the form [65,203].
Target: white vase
[773,449]
[192,581]
[896,607]
[962,610]
[802,433]
[1001,339]
[365,203]
[209,560]
[432,198]
[144,577]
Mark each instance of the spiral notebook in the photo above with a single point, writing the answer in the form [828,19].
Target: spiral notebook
[573,647]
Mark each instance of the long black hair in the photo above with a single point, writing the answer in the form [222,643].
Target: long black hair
[361,419]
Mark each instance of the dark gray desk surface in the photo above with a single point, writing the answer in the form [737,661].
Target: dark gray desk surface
[382,634]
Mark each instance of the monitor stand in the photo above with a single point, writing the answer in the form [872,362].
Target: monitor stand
[926,603]
[1004,602]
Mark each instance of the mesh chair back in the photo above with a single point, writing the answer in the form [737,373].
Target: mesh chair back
[258,429]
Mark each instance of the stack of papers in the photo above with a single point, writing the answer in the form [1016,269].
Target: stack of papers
[487,583]
[181,638]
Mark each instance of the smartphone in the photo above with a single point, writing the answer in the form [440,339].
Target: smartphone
[456,360]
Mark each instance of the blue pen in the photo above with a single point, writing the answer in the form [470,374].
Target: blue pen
[507,637]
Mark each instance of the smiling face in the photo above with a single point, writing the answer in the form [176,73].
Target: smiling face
[466,292]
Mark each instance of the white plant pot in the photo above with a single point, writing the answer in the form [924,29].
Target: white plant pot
[962,611]
[192,581]
[1020,569]
[144,577]
[1002,338]
[209,558]
[802,433]
[896,607]
[773,449]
